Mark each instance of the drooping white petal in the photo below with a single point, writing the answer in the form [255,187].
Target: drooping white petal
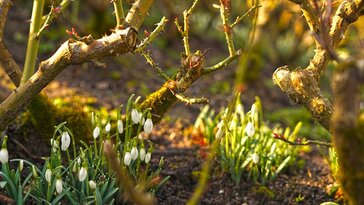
[96,132]
[255,158]
[120,126]
[108,127]
[55,145]
[148,156]
[148,126]
[82,174]
[59,186]
[142,154]
[4,156]
[249,129]
[92,185]
[48,175]
[134,153]
[135,116]
[127,158]
[253,110]
[65,141]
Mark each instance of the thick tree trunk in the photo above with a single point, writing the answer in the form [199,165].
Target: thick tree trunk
[348,131]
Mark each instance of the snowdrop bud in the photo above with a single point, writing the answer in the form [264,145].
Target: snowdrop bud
[249,129]
[135,116]
[219,133]
[82,174]
[221,123]
[59,186]
[92,185]
[48,175]
[147,157]
[134,153]
[79,161]
[255,158]
[240,109]
[21,165]
[142,154]
[55,145]
[65,141]
[127,158]
[148,126]
[96,132]
[120,126]
[253,110]
[4,155]
[108,127]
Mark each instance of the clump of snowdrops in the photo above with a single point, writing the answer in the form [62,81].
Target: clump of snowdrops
[82,176]
[247,147]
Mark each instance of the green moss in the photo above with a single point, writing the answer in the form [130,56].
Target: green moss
[264,192]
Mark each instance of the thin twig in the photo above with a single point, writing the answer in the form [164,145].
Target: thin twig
[299,142]
[151,62]
[153,35]
[240,18]
[190,101]
[119,12]
[221,64]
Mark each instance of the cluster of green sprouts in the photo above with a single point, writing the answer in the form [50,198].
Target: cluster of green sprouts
[82,176]
[247,146]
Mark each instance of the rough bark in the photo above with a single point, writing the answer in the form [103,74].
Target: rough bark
[348,130]
[70,52]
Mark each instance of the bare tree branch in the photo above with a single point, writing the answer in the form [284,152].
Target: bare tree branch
[70,52]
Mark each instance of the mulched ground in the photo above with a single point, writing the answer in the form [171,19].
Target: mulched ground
[113,86]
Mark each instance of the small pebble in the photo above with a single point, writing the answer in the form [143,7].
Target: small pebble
[221,191]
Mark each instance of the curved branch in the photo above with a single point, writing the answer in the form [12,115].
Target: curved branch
[70,52]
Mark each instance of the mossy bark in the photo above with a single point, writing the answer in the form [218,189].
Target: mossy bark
[348,132]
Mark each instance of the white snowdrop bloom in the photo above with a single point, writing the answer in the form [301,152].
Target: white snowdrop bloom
[92,185]
[135,116]
[127,158]
[82,174]
[120,126]
[48,175]
[55,145]
[221,123]
[4,155]
[21,165]
[142,154]
[96,132]
[65,141]
[148,126]
[134,153]
[233,124]
[108,127]
[249,129]
[255,158]
[219,133]
[148,156]
[59,186]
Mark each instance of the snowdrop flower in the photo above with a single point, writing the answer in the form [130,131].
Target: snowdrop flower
[65,141]
[148,126]
[142,154]
[249,129]
[108,127]
[96,132]
[82,174]
[239,109]
[135,117]
[147,157]
[127,158]
[21,165]
[219,133]
[120,126]
[255,158]
[59,186]
[134,153]
[48,175]
[55,145]
[4,155]
[92,185]
[221,123]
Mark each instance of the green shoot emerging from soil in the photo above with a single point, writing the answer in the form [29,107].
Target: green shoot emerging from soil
[82,176]
[248,149]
